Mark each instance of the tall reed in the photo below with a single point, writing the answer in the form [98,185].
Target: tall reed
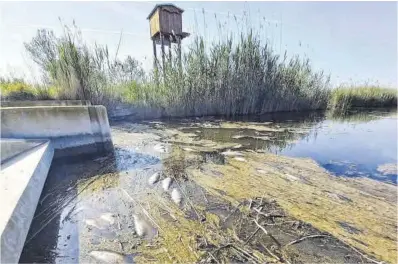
[78,71]
[237,77]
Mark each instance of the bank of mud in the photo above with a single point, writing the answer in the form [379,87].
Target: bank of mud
[170,194]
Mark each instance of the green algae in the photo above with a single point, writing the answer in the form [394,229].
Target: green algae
[305,198]
[177,240]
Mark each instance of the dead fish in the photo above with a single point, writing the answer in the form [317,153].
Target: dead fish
[109,217]
[231,153]
[240,159]
[238,136]
[237,146]
[176,196]
[188,149]
[166,183]
[154,178]
[142,227]
[94,223]
[261,171]
[160,148]
[291,177]
[262,138]
[108,256]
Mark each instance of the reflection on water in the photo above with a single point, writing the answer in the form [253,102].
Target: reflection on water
[355,145]
[352,145]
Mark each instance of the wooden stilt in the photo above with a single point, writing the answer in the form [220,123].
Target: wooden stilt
[163,59]
[170,52]
[179,55]
[155,63]
[155,58]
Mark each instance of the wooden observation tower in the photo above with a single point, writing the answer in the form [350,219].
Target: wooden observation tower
[165,22]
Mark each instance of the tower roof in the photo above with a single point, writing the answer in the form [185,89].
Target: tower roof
[163,5]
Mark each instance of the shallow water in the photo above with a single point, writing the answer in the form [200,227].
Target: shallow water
[354,145]
[107,205]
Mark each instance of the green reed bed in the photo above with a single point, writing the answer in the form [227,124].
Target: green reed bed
[345,98]
[237,77]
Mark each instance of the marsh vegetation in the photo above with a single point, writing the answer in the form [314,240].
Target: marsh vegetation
[230,76]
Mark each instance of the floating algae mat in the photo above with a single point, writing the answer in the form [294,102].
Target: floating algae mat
[197,191]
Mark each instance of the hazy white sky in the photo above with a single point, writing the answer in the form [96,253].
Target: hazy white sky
[353,41]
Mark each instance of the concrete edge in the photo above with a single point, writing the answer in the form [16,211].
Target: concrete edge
[22,103]
[14,234]
[11,159]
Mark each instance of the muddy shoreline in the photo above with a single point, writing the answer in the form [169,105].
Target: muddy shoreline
[172,194]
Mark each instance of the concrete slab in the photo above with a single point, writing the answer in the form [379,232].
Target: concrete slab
[21,183]
[11,148]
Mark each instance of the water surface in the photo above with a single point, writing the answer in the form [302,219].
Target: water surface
[91,205]
[354,145]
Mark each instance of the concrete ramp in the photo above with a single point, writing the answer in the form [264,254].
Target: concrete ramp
[22,179]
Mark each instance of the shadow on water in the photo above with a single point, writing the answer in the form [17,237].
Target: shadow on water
[56,204]
[54,232]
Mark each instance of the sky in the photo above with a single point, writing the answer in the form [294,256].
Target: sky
[354,42]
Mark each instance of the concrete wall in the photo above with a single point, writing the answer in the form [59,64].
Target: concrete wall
[72,129]
[21,182]
[43,103]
